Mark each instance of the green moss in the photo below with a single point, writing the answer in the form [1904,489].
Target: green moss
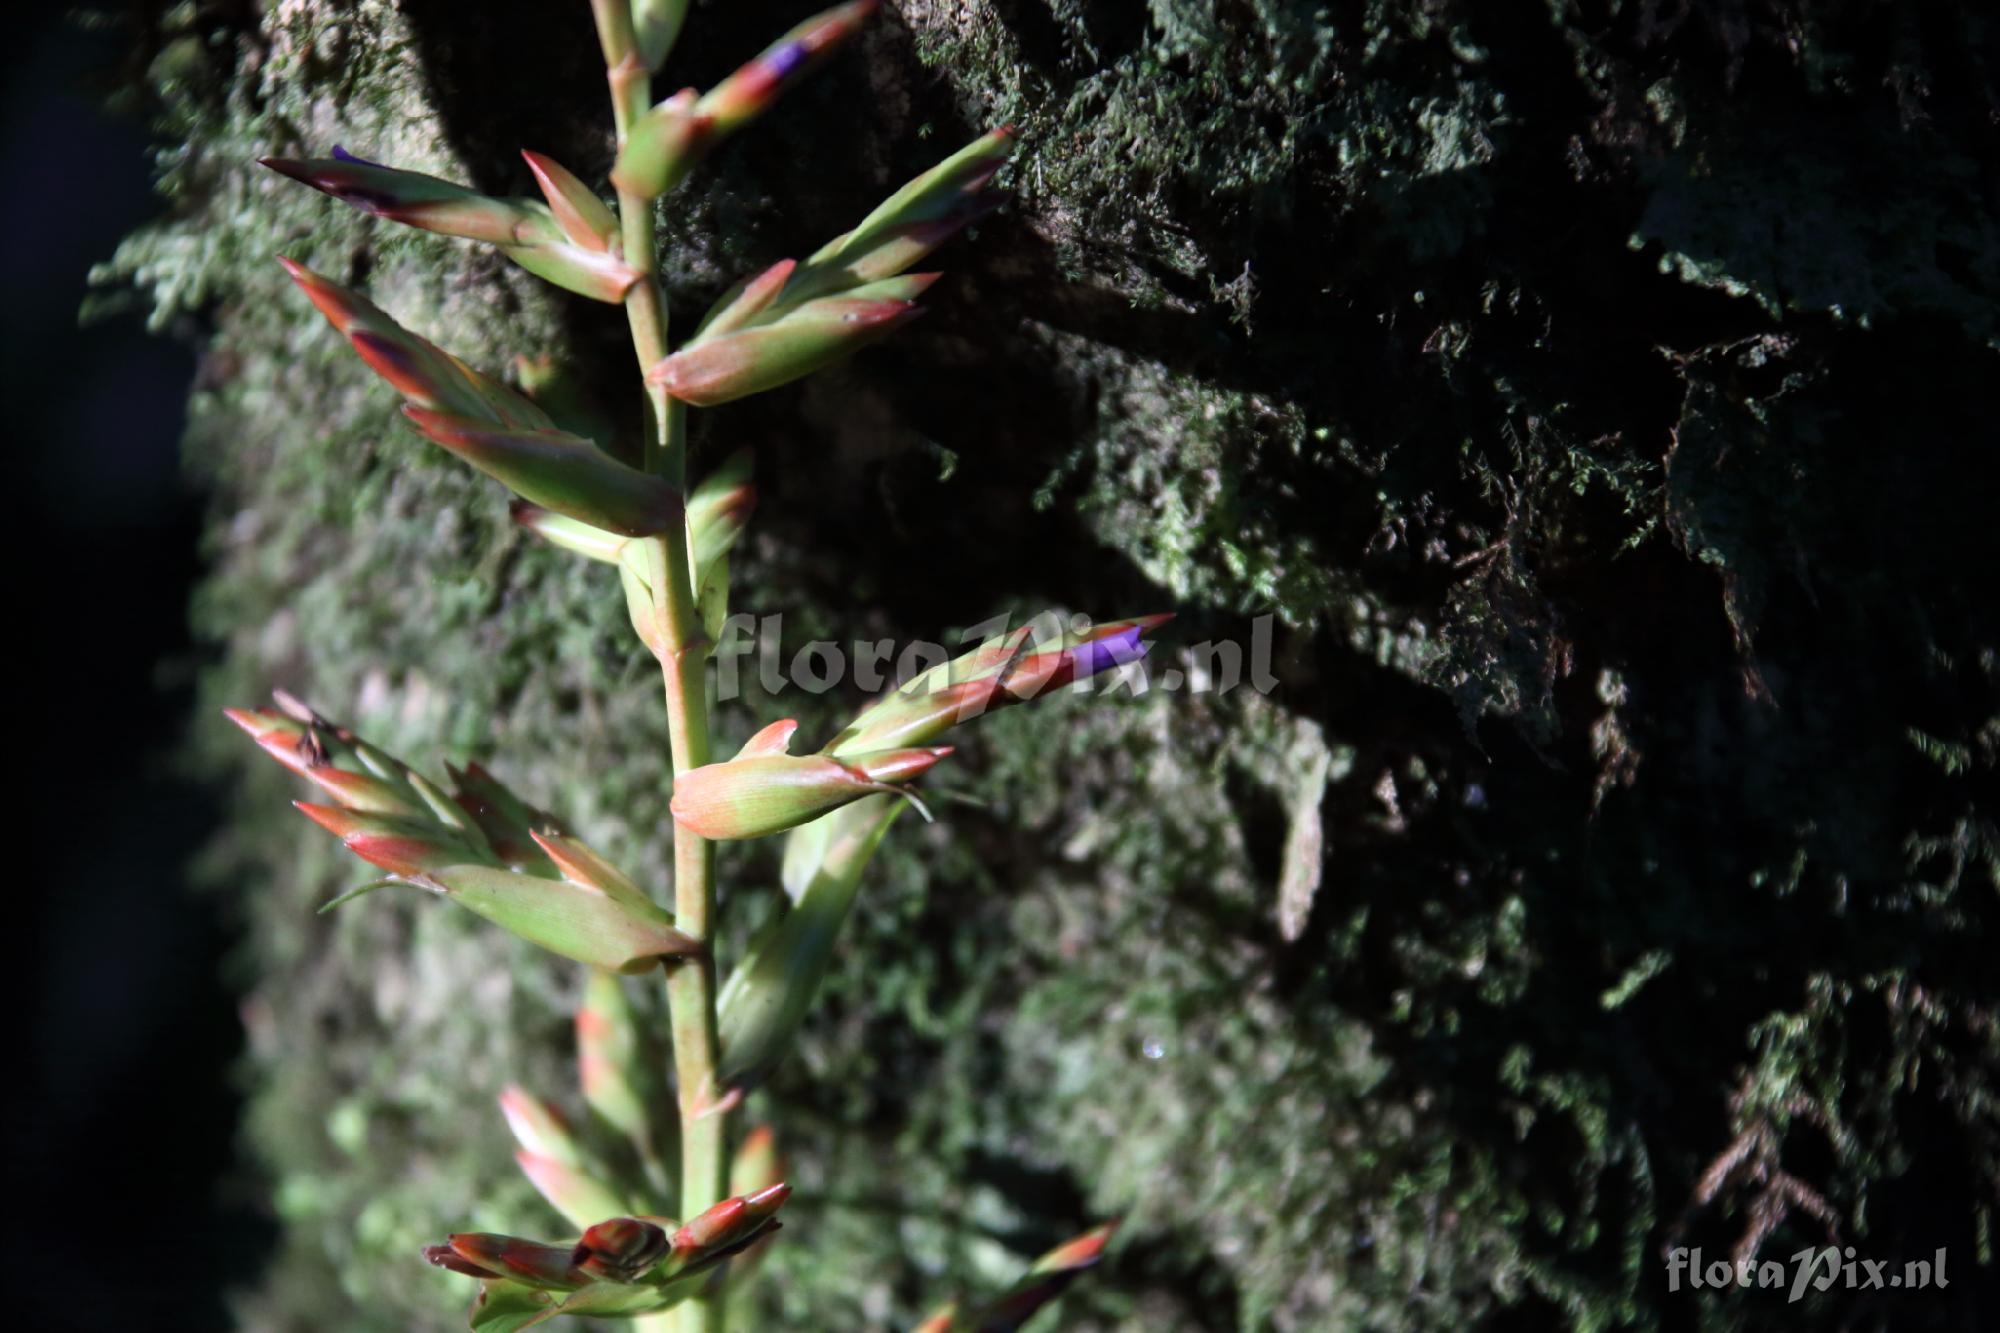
[1628,597]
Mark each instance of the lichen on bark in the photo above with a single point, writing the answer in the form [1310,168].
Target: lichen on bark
[1591,393]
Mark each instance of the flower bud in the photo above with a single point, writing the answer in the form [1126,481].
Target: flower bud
[621,1249]
[485,1254]
[665,143]
[753,88]
[755,1168]
[621,1267]
[729,366]
[662,147]
[1001,672]
[732,1222]
[751,796]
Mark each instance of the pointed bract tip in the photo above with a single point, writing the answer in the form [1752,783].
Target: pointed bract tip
[547,170]
[578,211]
[941,1320]
[443,1256]
[732,1221]
[768,1200]
[896,766]
[1083,1250]
[520,1106]
[247,719]
[331,299]
[775,739]
[332,818]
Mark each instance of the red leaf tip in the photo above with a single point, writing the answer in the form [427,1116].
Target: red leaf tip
[246,719]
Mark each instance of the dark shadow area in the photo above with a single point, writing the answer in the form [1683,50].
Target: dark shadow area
[126,1197]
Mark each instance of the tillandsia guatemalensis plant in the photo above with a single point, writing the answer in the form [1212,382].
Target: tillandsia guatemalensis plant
[477,844]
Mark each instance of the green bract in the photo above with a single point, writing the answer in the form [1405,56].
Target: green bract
[772,990]
[562,241]
[492,427]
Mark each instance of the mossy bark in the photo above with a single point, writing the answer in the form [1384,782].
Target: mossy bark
[1595,394]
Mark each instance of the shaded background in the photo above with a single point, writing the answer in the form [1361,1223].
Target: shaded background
[124,1086]
[1600,396]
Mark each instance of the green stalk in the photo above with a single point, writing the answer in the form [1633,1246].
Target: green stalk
[683,655]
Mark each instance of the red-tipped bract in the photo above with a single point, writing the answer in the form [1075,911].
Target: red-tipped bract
[494,428]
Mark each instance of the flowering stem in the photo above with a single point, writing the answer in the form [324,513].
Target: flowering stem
[683,650]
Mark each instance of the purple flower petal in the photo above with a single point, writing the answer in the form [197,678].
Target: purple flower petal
[342,155]
[1115,650]
[786,59]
